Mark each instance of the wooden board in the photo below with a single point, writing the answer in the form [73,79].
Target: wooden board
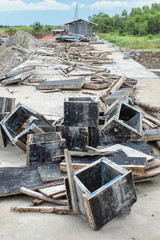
[50,191]
[111,201]
[51,173]
[6,105]
[45,152]
[13,178]
[151,173]
[15,79]
[16,72]
[44,137]
[77,138]
[152,135]
[135,164]
[62,84]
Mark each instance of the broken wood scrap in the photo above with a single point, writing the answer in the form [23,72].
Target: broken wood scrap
[152,164]
[35,194]
[63,71]
[95,86]
[152,135]
[10,90]
[153,120]
[59,195]
[52,90]
[57,210]
[36,202]
[20,48]
[16,72]
[113,87]
[151,173]
[15,79]
[153,110]
[51,191]
[88,93]
[36,79]
[71,181]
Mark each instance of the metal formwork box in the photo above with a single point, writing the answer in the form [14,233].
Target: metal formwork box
[104,189]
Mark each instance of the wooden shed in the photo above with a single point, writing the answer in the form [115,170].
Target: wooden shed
[81,26]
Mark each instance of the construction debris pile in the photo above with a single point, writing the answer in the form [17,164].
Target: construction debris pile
[88,160]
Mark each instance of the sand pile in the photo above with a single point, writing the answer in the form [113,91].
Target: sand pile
[10,58]
[25,40]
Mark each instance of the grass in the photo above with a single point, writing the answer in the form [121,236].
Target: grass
[150,42]
[44,30]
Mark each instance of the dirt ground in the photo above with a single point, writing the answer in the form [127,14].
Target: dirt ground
[141,223]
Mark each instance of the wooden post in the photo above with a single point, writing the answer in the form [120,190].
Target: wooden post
[71,180]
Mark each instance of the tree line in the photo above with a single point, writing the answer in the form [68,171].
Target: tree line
[140,21]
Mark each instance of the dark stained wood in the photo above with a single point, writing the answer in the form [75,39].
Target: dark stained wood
[51,173]
[13,178]
[76,138]
[81,112]
[62,84]
[45,152]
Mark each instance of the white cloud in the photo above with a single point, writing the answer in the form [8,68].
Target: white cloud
[147,2]
[104,5]
[20,5]
[80,5]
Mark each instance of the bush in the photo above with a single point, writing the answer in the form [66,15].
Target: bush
[10,31]
[37,27]
[149,37]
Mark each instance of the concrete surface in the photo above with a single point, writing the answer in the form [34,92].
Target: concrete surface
[141,223]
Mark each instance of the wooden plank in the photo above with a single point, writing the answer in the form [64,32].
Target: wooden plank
[153,164]
[6,105]
[50,173]
[45,152]
[15,72]
[113,88]
[45,137]
[35,194]
[71,181]
[62,84]
[152,135]
[57,210]
[95,86]
[59,195]
[13,178]
[15,79]
[52,190]
[136,164]
[151,173]
[77,138]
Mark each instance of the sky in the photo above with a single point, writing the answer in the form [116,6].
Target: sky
[58,12]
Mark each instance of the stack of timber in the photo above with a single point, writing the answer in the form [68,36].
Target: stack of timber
[16,76]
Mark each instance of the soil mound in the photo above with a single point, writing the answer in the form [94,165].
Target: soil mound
[24,39]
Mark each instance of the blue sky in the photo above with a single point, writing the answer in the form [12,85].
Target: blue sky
[58,12]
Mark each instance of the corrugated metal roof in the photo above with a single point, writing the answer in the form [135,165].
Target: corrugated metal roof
[80,20]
